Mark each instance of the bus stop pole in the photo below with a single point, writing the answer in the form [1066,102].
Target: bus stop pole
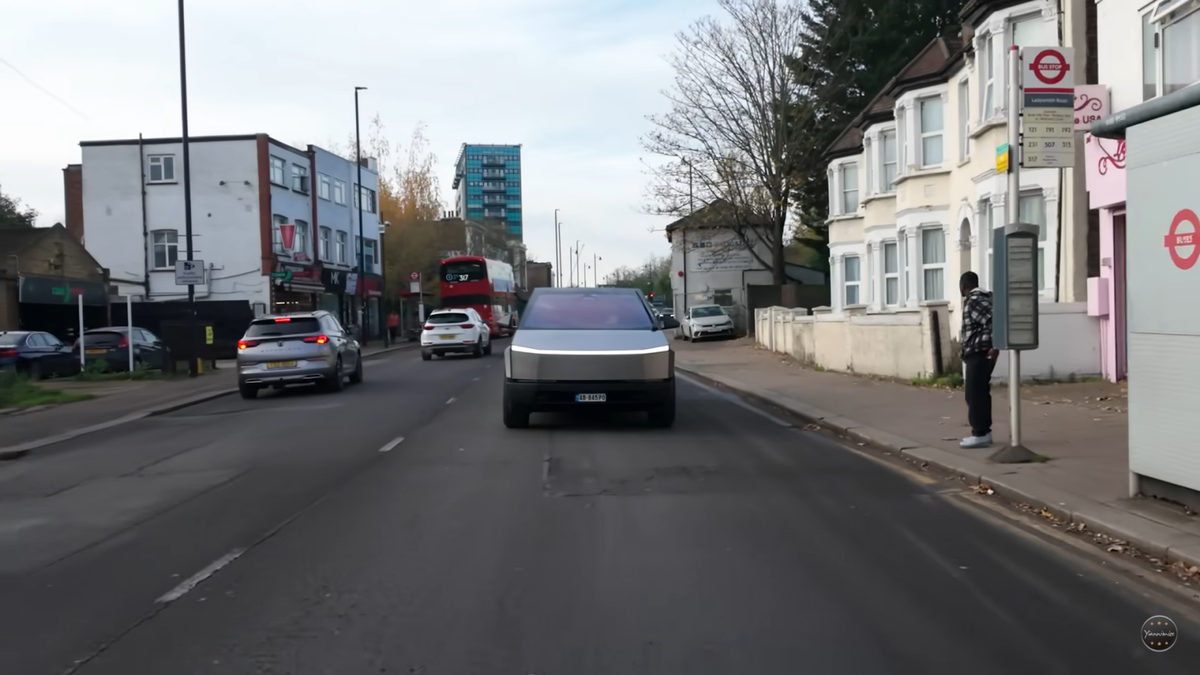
[1014,212]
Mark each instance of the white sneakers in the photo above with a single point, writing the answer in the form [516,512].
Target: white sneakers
[976,441]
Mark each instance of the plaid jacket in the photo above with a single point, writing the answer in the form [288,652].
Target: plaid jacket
[977,323]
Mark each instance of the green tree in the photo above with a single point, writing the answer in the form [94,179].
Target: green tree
[850,50]
[13,216]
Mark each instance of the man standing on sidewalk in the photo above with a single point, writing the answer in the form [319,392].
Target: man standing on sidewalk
[979,358]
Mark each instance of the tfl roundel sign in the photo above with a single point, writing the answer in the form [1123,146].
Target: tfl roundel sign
[1047,68]
[1183,245]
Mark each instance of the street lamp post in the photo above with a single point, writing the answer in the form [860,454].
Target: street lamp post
[557,249]
[385,299]
[596,270]
[362,244]
[578,248]
[193,362]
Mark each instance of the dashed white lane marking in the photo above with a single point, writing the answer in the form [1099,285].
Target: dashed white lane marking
[474,379]
[197,578]
[451,400]
[392,444]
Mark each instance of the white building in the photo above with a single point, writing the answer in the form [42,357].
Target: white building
[253,215]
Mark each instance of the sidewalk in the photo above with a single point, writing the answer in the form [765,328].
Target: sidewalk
[1081,427]
[119,402]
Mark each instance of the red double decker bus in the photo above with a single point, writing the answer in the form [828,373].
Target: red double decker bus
[487,286]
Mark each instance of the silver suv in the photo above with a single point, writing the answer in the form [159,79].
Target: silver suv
[297,348]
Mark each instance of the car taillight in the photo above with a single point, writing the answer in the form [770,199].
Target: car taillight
[7,353]
[428,326]
[282,319]
[243,344]
[466,325]
[122,343]
[320,339]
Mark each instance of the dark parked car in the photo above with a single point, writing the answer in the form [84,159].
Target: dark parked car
[580,348]
[112,346]
[36,354]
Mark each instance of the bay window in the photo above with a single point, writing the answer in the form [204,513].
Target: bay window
[891,274]
[932,126]
[849,186]
[964,122]
[1149,58]
[891,164]
[987,72]
[852,273]
[933,263]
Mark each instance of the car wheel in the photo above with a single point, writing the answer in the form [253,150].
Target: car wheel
[34,370]
[487,348]
[515,416]
[663,416]
[477,351]
[248,391]
[334,383]
[356,377]
[426,355]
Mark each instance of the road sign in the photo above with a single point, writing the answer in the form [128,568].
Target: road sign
[1176,242]
[1002,158]
[414,276]
[1048,69]
[189,272]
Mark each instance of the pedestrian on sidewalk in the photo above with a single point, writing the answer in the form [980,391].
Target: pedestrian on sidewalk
[393,324]
[979,358]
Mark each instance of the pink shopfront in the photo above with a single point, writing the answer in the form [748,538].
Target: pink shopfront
[1105,161]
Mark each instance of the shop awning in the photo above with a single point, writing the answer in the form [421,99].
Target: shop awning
[303,287]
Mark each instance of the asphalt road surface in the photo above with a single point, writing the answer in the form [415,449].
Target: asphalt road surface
[274,536]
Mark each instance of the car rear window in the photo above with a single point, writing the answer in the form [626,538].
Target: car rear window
[10,340]
[273,328]
[587,311]
[101,338]
[438,319]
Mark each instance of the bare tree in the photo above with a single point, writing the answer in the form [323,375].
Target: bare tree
[736,111]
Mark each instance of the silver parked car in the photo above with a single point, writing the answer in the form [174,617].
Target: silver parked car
[579,348]
[297,348]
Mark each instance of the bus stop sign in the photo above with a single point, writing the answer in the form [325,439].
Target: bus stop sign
[1177,242]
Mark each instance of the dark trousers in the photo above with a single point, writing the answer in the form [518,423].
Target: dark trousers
[978,389]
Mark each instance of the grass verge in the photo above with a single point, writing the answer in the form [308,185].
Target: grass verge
[16,391]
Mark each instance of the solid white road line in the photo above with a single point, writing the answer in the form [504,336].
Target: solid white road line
[392,444]
[451,400]
[196,579]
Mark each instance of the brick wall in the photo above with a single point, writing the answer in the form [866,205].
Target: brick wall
[73,198]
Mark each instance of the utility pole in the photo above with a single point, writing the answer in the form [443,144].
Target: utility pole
[557,250]
[360,288]
[596,270]
[193,357]
[683,233]
[578,267]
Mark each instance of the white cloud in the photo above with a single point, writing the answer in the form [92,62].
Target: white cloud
[570,80]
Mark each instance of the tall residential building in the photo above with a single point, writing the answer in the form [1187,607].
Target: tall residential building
[487,179]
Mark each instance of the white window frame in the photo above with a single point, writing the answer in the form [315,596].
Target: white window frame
[928,266]
[886,185]
[324,243]
[163,163]
[831,183]
[339,192]
[166,242]
[843,170]
[847,283]
[987,75]
[340,240]
[901,142]
[300,244]
[894,275]
[324,186]
[278,171]
[1166,17]
[922,134]
[868,166]
[964,120]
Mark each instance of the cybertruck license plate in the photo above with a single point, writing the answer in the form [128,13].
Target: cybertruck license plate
[591,398]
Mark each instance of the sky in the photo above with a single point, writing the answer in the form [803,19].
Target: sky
[570,80]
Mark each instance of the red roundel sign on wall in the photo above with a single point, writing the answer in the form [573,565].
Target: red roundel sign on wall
[1183,247]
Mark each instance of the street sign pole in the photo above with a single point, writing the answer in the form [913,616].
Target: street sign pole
[129,325]
[1013,200]
[82,341]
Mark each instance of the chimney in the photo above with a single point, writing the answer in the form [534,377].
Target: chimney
[73,199]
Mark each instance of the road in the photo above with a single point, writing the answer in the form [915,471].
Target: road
[274,536]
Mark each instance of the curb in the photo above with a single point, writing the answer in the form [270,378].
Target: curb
[1151,537]
[22,449]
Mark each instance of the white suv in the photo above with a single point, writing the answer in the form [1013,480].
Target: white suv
[455,331]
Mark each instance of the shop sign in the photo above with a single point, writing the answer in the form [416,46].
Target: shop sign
[1091,104]
[53,291]
[335,280]
[1183,246]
